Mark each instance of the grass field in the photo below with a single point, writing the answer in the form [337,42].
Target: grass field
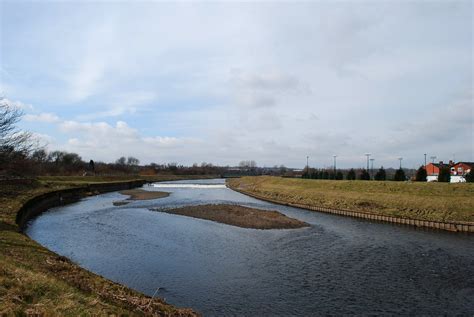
[414,200]
[34,280]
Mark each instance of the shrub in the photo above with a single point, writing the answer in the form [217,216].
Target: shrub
[364,175]
[469,176]
[421,174]
[351,175]
[444,175]
[380,175]
[399,175]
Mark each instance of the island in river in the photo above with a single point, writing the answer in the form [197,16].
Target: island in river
[240,216]
[139,194]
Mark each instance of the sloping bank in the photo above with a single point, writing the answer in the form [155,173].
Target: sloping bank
[36,281]
[261,188]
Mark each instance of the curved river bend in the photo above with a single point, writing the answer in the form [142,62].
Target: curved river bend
[338,265]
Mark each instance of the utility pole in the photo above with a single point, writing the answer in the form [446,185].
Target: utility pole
[368,155]
[372,168]
[400,159]
[334,156]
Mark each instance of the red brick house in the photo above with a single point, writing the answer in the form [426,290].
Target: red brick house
[432,169]
[462,168]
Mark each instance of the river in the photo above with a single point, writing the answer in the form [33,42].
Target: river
[338,265]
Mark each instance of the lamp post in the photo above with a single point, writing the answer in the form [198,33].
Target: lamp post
[425,161]
[400,159]
[307,164]
[334,156]
[368,155]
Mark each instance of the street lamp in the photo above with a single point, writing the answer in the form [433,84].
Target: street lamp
[400,159]
[425,161]
[334,156]
[368,155]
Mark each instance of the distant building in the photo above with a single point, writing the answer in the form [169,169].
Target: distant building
[457,170]
[432,171]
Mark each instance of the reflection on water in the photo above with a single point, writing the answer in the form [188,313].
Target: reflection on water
[338,265]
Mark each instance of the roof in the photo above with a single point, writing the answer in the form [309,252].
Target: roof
[471,164]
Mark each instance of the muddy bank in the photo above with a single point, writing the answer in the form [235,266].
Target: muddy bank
[140,194]
[239,216]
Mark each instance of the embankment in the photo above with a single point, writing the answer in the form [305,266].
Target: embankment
[258,188]
[43,202]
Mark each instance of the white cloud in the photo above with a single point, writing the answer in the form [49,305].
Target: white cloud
[42,117]
[15,104]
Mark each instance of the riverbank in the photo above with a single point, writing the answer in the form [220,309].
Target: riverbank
[240,216]
[34,280]
[435,205]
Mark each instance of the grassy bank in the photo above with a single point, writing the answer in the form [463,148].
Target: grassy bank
[239,216]
[36,280]
[414,200]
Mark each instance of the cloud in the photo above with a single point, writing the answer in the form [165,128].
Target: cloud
[42,117]
[102,141]
[15,104]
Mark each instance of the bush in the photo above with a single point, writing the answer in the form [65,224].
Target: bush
[444,175]
[399,175]
[339,175]
[421,174]
[351,175]
[364,175]
[380,175]
[469,176]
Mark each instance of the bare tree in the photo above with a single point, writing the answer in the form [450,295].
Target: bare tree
[15,145]
[132,161]
[12,138]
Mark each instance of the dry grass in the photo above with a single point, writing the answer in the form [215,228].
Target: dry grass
[140,194]
[414,200]
[34,280]
[239,216]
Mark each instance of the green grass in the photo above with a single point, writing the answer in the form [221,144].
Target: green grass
[414,200]
[36,280]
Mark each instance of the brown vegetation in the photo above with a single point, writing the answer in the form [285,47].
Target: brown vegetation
[239,216]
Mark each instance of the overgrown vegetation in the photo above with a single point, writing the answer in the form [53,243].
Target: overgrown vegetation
[424,201]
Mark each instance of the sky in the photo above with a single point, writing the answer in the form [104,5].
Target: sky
[222,82]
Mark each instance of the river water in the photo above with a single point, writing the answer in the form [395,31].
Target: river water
[338,265]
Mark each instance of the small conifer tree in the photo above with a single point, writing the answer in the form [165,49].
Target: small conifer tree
[399,175]
[351,175]
[380,175]
[444,175]
[421,174]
